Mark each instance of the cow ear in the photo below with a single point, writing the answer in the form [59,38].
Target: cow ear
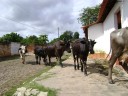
[94,42]
[83,42]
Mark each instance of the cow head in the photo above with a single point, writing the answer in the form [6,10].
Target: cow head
[91,44]
[67,46]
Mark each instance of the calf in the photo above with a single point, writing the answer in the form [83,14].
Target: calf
[40,52]
[119,42]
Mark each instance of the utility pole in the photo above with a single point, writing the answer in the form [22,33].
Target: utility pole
[58,33]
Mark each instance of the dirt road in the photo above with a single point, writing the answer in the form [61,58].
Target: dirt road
[70,82]
[12,71]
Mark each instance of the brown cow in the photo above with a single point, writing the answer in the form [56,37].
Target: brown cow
[50,52]
[119,42]
[57,50]
[123,60]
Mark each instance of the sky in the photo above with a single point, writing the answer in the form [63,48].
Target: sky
[42,17]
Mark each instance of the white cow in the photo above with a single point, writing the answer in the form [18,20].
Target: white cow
[22,50]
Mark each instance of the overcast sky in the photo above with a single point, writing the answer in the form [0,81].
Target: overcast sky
[38,17]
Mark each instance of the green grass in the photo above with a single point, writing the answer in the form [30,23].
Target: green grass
[34,85]
[26,83]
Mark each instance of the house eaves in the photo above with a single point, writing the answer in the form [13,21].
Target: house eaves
[105,8]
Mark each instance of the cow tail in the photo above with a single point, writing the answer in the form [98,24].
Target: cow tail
[108,53]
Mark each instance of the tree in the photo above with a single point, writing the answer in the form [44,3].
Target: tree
[67,35]
[43,39]
[54,40]
[76,35]
[12,37]
[30,40]
[89,15]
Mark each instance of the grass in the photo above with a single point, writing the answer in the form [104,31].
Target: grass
[34,85]
[51,92]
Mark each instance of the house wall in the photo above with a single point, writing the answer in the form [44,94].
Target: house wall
[109,25]
[95,32]
[124,12]
[101,32]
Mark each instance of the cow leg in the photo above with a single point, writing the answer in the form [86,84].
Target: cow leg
[77,62]
[45,60]
[50,61]
[60,62]
[112,61]
[85,67]
[81,65]
[36,56]
[39,60]
[74,62]
[23,58]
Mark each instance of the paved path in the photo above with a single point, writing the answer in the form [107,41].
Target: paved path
[74,83]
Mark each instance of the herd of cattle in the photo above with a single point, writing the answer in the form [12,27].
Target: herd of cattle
[81,48]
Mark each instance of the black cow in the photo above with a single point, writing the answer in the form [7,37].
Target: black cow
[119,42]
[40,52]
[80,49]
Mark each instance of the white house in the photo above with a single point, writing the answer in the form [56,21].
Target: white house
[113,15]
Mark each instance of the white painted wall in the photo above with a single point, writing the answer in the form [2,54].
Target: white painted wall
[95,32]
[14,48]
[124,12]
[101,32]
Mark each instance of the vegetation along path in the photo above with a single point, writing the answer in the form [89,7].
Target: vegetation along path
[70,82]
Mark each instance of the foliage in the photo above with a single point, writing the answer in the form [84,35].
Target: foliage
[67,35]
[30,40]
[12,37]
[54,40]
[89,15]
[43,39]
[76,35]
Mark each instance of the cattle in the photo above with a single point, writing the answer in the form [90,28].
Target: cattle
[50,52]
[40,52]
[123,60]
[60,47]
[118,43]
[80,49]
[57,50]
[22,51]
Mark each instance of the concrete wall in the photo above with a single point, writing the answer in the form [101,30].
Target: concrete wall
[14,48]
[9,49]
